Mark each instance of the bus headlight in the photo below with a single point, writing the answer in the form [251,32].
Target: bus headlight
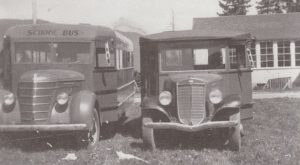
[62,98]
[165,98]
[9,99]
[215,96]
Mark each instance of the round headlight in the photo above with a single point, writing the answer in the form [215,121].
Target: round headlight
[9,99]
[165,98]
[62,98]
[215,96]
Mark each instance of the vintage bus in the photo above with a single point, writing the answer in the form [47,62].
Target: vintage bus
[58,78]
[195,80]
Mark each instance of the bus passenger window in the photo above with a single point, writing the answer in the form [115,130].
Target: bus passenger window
[174,57]
[105,58]
[200,56]
[127,58]
[237,57]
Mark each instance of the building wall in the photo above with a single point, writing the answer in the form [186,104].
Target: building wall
[279,58]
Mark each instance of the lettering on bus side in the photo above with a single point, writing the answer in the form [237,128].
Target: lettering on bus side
[70,33]
[52,33]
[41,33]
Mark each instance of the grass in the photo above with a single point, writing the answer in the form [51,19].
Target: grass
[272,137]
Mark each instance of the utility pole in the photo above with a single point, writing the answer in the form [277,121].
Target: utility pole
[173,21]
[34,11]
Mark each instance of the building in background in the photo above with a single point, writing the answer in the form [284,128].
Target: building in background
[276,50]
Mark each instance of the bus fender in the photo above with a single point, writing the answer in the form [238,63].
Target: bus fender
[229,106]
[150,106]
[82,106]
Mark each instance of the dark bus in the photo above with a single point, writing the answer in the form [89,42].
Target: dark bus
[195,80]
[59,78]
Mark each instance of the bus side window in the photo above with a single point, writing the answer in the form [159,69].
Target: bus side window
[104,58]
[237,57]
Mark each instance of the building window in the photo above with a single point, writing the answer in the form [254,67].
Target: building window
[232,56]
[284,55]
[297,53]
[253,53]
[266,54]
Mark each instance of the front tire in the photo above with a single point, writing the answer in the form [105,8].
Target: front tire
[90,138]
[235,133]
[148,134]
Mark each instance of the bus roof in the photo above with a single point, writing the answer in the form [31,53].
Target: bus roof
[58,30]
[197,35]
[64,32]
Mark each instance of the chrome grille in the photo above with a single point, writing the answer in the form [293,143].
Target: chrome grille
[191,102]
[35,101]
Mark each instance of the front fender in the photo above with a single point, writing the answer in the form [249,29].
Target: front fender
[150,106]
[229,106]
[82,106]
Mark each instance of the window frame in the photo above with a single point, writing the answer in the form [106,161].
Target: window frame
[297,54]
[36,55]
[253,53]
[164,68]
[269,56]
[283,53]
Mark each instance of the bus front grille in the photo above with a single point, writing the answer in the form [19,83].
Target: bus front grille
[35,101]
[191,103]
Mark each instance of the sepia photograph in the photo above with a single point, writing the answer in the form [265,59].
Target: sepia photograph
[159,82]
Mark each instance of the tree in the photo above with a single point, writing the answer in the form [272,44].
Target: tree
[234,7]
[269,6]
[291,6]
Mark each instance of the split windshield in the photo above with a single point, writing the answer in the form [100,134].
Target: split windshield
[185,59]
[52,53]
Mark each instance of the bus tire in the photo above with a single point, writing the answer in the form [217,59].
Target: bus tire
[234,138]
[148,134]
[92,136]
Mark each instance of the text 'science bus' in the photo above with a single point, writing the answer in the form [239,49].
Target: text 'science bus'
[64,78]
[195,80]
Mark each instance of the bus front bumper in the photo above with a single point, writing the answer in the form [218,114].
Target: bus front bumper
[49,127]
[194,128]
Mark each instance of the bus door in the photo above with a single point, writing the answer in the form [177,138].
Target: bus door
[237,77]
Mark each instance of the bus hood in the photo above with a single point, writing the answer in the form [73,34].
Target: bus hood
[204,77]
[51,75]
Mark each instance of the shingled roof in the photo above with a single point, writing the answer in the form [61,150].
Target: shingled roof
[203,34]
[262,27]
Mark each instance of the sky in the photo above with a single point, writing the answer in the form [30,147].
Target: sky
[152,16]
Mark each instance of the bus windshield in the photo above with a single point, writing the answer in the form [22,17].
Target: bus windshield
[185,59]
[52,53]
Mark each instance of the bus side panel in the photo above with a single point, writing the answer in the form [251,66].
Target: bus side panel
[149,68]
[106,83]
[125,76]
[114,90]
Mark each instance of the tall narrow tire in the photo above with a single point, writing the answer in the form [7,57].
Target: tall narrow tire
[235,138]
[90,138]
[235,133]
[148,134]
[94,132]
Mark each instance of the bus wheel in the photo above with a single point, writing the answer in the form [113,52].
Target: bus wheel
[92,136]
[94,132]
[235,134]
[148,134]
